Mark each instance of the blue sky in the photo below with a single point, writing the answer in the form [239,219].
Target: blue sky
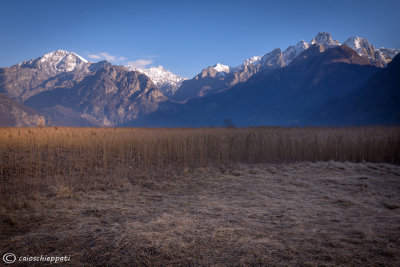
[185,36]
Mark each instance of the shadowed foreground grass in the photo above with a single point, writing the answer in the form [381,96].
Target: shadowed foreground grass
[263,196]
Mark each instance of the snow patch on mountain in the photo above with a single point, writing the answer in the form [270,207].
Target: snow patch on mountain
[221,68]
[163,79]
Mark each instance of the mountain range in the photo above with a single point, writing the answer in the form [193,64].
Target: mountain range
[321,82]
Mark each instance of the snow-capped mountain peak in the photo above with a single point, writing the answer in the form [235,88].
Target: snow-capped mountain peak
[302,45]
[221,68]
[276,58]
[385,55]
[325,39]
[293,51]
[360,45]
[61,54]
[270,60]
[165,80]
[57,61]
[252,60]
[381,56]
[389,52]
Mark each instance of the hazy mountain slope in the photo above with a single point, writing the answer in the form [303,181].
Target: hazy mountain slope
[220,77]
[68,117]
[374,103]
[71,91]
[15,114]
[110,96]
[280,97]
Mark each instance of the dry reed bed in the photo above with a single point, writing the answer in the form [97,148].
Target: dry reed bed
[33,157]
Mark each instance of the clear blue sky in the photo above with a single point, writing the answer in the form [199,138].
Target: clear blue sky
[185,36]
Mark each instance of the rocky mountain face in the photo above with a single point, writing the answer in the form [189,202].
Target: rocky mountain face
[379,57]
[283,96]
[14,114]
[71,91]
[324,39]
[163,79]
[209,80]
[293,51]
[220,77]
[213,79]
[110,96]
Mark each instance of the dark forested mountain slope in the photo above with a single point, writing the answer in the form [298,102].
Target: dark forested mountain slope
[377,102]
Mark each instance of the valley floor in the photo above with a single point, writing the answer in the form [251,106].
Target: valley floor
[267,214]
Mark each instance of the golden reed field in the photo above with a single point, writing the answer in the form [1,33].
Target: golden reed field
[206,196]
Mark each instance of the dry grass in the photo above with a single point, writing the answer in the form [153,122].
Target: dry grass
[202,196]
[270,214]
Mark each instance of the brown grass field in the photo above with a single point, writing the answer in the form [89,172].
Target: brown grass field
[264,196]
